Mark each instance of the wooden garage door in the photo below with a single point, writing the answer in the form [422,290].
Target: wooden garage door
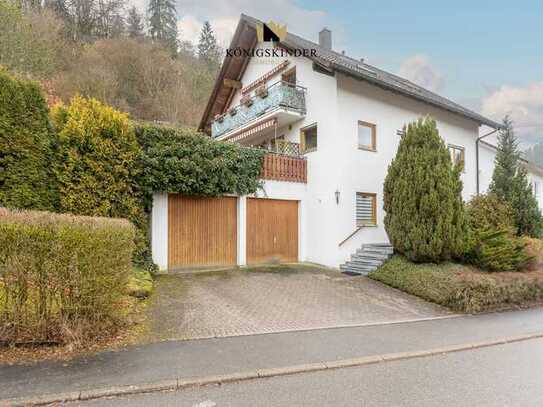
[272,231]
[201,231]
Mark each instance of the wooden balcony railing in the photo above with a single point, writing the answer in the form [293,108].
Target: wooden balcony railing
[279,167]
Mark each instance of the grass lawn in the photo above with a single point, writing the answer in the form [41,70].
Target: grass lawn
[463,288]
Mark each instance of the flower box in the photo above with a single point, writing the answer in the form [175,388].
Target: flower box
[247,100]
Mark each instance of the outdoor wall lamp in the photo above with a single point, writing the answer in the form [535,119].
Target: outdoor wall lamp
[337,196]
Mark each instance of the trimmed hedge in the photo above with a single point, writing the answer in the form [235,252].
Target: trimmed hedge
[184,161]
[27,146]
[63,278]
[462,288]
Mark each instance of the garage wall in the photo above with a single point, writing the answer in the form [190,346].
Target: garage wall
[159,230]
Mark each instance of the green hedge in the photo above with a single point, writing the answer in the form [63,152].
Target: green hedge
[62,278]
[187,162]
[461,288]
[98,165]
[27,146]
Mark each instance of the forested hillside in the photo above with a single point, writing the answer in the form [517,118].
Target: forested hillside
[107,50]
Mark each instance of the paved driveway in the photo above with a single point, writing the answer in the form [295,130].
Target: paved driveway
[273,299]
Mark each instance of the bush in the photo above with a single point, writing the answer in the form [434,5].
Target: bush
[425,217]
[27,146]
[187,162]
[462,288]
[98,162]
[534,249]
[62,278]
[497,250]
[487,211]
[492,244]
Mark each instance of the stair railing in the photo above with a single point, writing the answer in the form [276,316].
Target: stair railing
[351,235]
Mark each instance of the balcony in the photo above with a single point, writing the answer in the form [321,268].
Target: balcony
[281,101]
[279,167]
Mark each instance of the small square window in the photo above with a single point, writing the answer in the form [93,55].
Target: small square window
[308,138]
[366,209]
[367,136]
[458,155]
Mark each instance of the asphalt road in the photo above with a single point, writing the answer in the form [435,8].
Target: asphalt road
[185,359]
[505,375]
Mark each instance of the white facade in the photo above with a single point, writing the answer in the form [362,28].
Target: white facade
[336,104]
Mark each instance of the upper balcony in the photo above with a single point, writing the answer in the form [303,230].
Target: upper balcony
[282,101]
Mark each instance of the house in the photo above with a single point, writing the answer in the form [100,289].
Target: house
[332,125]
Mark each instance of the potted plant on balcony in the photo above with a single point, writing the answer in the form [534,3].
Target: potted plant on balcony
[233,111]
[219,118]
[247,100]
[261,91]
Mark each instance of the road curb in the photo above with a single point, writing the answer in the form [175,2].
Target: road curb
[183,383]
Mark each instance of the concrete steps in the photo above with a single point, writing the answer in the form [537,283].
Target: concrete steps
[368,258]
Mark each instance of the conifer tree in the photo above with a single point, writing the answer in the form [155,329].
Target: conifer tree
[506,163]
[134,23]
[163,23]
[528,218]
[425,218]
[208,49]
[510,183]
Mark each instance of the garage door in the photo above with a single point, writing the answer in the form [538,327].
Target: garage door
[201,231]
[272,231]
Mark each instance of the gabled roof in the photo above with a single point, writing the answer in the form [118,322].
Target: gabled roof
[329,60]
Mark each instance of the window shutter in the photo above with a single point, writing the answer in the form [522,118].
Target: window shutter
[365,209]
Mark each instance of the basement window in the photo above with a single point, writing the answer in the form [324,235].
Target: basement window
[308,138]
[366,209]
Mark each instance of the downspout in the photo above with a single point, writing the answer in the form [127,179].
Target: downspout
[477,142]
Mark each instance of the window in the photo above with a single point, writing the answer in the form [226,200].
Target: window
[308,138]
[458,154]
[535,185]
[367,136]
[366,209]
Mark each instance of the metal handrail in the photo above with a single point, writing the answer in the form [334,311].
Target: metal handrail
[351,235]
